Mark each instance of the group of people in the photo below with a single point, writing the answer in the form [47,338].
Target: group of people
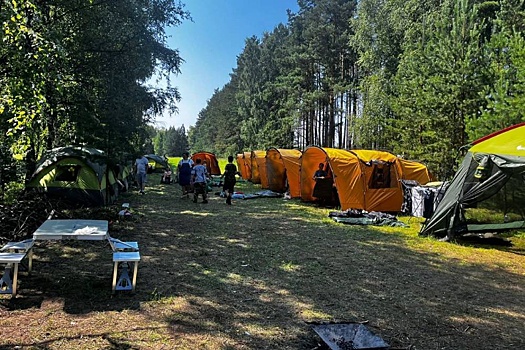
[195,175]
[192,176]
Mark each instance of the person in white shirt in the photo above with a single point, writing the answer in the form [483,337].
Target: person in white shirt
[141,169]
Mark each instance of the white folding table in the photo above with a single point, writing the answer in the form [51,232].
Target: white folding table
[83,230]
[72,229]
[95,230]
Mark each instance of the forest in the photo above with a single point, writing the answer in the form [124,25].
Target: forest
[418,79]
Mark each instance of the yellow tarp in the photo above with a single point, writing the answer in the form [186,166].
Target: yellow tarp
[256,170]
[244,163]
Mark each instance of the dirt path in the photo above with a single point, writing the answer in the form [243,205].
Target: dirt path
[251,275]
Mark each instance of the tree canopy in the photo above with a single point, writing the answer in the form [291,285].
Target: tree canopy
[75,72]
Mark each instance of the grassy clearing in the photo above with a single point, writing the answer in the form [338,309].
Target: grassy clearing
[251,275]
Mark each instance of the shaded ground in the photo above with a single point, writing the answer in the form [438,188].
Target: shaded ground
[251,275]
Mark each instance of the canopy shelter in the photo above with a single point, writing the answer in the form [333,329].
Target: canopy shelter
[212,165]
[488,190]
[283,170]
[78,175]
[364,179]
[244,165]
[156,162]
[258,161]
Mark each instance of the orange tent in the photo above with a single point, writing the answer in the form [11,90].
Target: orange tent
[244,165]
[283,165]
[259,168]
[365,179]
[211,162]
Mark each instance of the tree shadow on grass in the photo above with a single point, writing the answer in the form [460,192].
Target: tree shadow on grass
[276,272]
[251,275]
[79,273]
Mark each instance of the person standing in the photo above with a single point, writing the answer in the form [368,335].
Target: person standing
[184,170]
[199,178]
[229,179]
[141,169]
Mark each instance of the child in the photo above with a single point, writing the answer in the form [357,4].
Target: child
[184,170]
[166,177]
[199,176]
[229,179]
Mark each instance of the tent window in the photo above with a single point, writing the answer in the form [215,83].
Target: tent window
[380,175]
[67,173]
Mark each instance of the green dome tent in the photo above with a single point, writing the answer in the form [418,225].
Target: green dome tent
[79,175]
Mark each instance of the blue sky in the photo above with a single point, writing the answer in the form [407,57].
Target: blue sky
[210,45]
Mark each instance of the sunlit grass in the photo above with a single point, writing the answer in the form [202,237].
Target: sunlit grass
[289,266]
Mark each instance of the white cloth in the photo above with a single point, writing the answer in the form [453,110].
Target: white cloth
[189,161]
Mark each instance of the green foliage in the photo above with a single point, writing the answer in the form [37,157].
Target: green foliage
[505,88]
[438,87]
[218,126]
[172,142]
[73,72]
[11,191]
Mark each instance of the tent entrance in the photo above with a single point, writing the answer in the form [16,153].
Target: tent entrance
[67,172]
[499,209]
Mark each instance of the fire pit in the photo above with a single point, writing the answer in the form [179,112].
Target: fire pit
[349,336]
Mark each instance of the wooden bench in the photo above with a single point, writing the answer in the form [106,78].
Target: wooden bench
[121,267]
[12,260]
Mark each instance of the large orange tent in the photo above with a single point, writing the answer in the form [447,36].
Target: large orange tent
[244,165]
[365,179]
[282,168]
[259,168]
[211,162]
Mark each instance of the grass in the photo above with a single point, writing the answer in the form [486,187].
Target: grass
[252,275]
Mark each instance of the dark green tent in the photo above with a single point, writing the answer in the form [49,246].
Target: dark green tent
[488,191]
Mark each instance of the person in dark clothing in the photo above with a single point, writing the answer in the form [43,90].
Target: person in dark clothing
[320,173]
[184,173]
[323,185]
[229,179]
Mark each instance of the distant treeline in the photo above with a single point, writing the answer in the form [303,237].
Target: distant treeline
[417,78]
